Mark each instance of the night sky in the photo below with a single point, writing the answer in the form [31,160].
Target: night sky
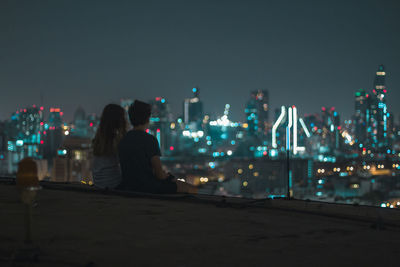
[89,53]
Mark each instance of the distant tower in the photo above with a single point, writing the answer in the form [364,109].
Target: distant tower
[193,108]
[257,111]
[160,122]
[378,123]
[80,123]
[54,135]
[361,105]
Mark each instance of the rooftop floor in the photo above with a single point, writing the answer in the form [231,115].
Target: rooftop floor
[78,228]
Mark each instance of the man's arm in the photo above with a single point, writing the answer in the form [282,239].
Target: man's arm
[157,168]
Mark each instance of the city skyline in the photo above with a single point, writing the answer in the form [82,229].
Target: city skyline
[101,53]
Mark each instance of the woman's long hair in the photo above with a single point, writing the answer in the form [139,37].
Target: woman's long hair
[112,128]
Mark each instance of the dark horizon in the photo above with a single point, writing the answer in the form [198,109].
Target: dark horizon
[307,53]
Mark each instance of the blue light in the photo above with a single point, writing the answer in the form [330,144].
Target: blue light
[19,143]
[319,194]
[212,165]
[179,120]
[209,143]
[224,136]
[388,151]
[194,90]
[233,142]
[163,100]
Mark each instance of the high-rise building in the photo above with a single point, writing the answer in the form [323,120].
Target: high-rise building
[72,163]
[257,109]
[378,113]
[24,135]
[193,108]
[80,125]
[54,133]
[160,122]
[331,122]
[93,122]
[361,106]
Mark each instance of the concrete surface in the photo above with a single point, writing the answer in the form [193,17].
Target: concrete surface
[90,229]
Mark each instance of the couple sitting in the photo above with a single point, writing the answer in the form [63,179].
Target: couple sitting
[130,160]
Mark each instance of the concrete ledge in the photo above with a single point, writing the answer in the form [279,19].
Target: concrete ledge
[369,214]
[74,225]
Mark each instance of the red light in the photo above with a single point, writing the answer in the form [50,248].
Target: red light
[367,95]
[158,130]
[323,108]
[364,149]
[374,91]
[171,148]
[158,98]
[41,141]
[332,108]
[147,130]
[25,110]
[44,132]
[34,106]
[265,153]
[41,108]
[91,124]
[339,127]
[384,90]
[61,113]
[293,106]
[42,123]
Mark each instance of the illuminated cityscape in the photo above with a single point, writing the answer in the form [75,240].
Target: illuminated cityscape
[350,161]
[199,133]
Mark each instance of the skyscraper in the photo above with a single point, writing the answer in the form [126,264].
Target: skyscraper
[193,108]
[160,122]
[55,133]
[378,114]
[24,134]
[257,112]
[81,124]
[361,105]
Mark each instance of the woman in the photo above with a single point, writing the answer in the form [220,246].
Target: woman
[106,169]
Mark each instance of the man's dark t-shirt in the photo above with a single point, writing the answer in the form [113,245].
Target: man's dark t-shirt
[135,152]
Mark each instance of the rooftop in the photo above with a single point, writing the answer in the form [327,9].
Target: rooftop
[75,225]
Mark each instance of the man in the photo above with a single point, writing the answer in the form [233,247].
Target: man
[139,156]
